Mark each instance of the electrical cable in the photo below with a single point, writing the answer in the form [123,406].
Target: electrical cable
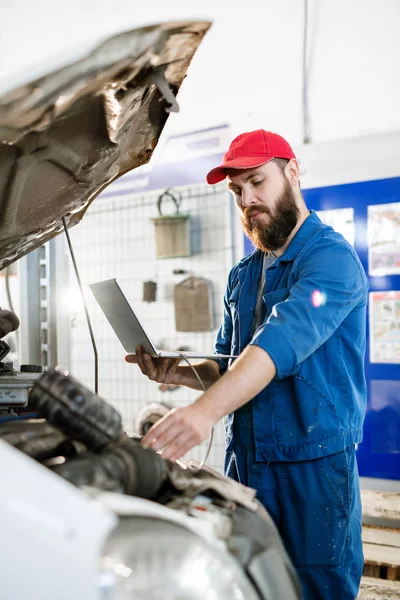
[96,356]
[8,291]
[11,306]
[210,443]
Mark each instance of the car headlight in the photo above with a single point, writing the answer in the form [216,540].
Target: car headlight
[153,559]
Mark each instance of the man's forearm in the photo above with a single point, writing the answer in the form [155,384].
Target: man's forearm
[208,372]
[183,428]
[249,374]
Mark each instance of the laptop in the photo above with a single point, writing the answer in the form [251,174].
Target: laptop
[127,326]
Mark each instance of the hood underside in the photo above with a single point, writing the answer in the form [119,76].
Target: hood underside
[66,136]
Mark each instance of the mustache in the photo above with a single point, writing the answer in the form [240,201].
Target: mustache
[249,211]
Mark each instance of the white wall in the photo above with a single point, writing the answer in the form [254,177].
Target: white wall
[248,71]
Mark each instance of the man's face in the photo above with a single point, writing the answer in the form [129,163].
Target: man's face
[267,204]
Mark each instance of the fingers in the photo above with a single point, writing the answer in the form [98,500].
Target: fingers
[162,370]
[174,364]
[163,431]
[150,368]
[141,361]
[131,358]
[144,361]
[167,369]
[178,432]
[179,446]
[168,434]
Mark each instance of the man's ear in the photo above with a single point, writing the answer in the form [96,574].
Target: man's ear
[292,172]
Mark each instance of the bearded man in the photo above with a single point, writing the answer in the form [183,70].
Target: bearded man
[294,400]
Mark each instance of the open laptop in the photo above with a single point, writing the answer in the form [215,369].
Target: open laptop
[127,326]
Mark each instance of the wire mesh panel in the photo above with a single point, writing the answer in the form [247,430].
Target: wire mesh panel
[116,239]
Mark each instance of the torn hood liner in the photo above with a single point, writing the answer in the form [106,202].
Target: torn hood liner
[66,136]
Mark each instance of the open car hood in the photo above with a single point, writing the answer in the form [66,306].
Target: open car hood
[66,136]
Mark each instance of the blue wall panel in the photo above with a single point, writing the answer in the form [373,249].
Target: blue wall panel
[379,453]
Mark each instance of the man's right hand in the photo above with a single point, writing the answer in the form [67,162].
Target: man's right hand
[162,370]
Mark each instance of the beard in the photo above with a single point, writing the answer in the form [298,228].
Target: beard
[272,236]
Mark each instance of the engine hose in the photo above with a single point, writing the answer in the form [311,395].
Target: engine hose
[123,467]
[37,439]
[75,410]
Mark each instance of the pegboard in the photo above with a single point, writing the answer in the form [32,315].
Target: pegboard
[116,239]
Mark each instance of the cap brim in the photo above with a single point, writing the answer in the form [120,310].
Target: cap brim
[245,162]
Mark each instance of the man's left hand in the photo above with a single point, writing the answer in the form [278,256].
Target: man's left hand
[179,431]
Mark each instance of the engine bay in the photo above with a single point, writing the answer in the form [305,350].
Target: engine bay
[77,435]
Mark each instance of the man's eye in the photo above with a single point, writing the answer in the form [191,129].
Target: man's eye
[257,182]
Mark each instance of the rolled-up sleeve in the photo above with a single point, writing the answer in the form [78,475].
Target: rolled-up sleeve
[330,284]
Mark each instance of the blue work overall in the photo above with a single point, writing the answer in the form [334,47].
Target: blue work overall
[295,441]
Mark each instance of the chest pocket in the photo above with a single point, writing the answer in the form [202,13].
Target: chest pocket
[273,298]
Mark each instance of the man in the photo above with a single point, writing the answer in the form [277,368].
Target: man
[294,400]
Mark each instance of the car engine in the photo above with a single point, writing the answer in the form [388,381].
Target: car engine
[179,531]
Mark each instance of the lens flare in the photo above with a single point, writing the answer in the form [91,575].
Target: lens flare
[318,298]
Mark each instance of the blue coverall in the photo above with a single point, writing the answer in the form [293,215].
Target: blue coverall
[295,441]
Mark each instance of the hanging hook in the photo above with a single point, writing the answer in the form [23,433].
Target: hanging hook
[175,196]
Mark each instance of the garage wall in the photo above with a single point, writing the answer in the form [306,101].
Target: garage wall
[248,70]
[116,239]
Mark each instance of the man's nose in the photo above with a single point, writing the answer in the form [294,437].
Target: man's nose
[248,198]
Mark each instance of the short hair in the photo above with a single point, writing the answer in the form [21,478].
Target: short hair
[281,162]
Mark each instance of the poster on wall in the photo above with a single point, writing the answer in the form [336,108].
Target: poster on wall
[384,239]
[384,327]
[342,221]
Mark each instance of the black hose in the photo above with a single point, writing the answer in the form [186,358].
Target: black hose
[124,467]
[75,410]
[118,462]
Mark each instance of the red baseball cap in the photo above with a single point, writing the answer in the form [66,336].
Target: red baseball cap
[251,149]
